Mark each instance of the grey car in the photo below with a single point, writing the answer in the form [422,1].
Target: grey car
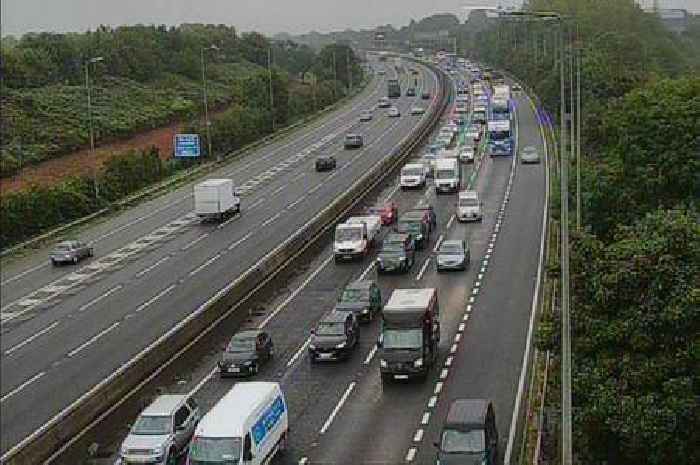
[529,155]
[453,255]
[245,353]
[162,432]
[336,336]
[70,252]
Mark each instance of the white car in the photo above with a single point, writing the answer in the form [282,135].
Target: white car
[466,154]
[417,110]
[393,112]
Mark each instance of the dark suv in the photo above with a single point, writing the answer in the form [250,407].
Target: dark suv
[335,337]
[353,141]
[398,253]
[424,206]
[417,224]
[363,298]
[469,433]
[245,353]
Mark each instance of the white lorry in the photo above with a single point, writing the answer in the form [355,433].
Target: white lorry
[355,237]
[413,175]
[216,199]
[249,425]
[447,175]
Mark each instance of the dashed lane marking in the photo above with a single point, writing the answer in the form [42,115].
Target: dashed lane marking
[31,338]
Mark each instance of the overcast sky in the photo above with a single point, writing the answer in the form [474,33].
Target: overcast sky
[267,16]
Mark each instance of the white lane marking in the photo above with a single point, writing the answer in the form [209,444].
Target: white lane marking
[444,373]
[468,309]
[31,338]
[426,418]
[22,386]
[418,437]
[150,301]
[92,340]
[195,241]
[432,402]
[228,221]
[480,277]
[150,268]
[337,408]
[475,291]
[471,299]
[315,188]
[370,355]
[203,381]
[256,203]
[303,460]
[437,243]
[291,296]
[364,273]
[240,241]
[271,219]
[411,454]
[278,190]
[299,352]
[449,223]
[461,327]
[458,337]
[448,361]
[205,264]
[99,298]
[465,317]
[423,268]
[453,349]
[392,192]
[296,202]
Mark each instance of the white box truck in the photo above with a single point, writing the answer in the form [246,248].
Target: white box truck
[249,425]
[447,175]
[216,199]
[413,175]
[354,238]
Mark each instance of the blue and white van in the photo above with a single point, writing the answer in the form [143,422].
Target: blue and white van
[249,425]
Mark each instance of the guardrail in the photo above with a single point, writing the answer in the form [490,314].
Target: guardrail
[42,445]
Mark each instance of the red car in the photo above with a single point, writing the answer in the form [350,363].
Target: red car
[389,211]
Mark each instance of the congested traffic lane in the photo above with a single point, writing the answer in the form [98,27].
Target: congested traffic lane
[104,335]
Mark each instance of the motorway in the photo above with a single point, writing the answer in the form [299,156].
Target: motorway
[342,413]
[65,329]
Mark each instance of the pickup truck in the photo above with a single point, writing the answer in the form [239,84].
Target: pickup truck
[355,237]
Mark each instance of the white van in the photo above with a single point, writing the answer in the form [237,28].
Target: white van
[447,175]
[247,426]
[413,175]
[469,207]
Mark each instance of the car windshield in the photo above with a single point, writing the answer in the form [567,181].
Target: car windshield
[392,247]
[239,344]
[349,234]
[409,226]
[411,171]
[470,442]
[355,295]
[63,247]
[403,339]
[152,425]
[451,249]
[331,329]
[219,451]
[445,174]
[468,202]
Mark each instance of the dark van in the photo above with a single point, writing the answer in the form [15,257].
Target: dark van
[469,435]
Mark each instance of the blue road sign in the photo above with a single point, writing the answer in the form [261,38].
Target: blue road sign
[187,146]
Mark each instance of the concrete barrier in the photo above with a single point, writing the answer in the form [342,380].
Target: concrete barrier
[45,444]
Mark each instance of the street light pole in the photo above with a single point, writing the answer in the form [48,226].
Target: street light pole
[578,131]
[90,124]
[207,124]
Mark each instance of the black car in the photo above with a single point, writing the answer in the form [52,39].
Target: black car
[469,434]
[361,297]
[424,206]
[245,353]
[353,141]
[325,163]
[335,337]
[425,96]
[416,224]
[410,92]
[398,253]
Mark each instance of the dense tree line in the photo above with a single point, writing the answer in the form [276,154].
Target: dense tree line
[634,268]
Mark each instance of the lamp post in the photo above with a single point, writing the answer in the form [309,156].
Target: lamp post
[207,124]
[88,90]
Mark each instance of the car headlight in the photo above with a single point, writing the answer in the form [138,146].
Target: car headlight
[418,362]
[382,363]
[365,310]
[312,347]
[340,346]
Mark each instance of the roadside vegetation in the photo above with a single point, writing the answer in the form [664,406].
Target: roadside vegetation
[149,76]
[634,266]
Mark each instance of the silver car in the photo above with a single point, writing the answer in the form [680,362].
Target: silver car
[162,432]
[529,154]
[453,255]
[70,252]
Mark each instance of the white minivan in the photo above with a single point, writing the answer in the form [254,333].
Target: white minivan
[469,207]
[447,175]
[249,425]
[413,175]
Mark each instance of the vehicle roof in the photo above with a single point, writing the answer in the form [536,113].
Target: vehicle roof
[68,242]
[452,242]
[446,161]
[215,182]
[467,413]
[468,194]
[334,316]
[360,284]
[229,416]
[165,404]
[413,215]
[352,135]
[396,237]
[410,298]
[413,165]
[247,334]
[423,205]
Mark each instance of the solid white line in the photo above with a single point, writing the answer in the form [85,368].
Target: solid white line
[337,408]
[299,352]
[22,386]
[270,220]
[240,241]
[437,244]
[432,402]
[370,355]
[205,264]
[154,298]
[411,454]
[90,341]
[194,241]
[149,268]
[97,299]
[418,437]
[423,268]
[295,293]
[426,418]
[31,338]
